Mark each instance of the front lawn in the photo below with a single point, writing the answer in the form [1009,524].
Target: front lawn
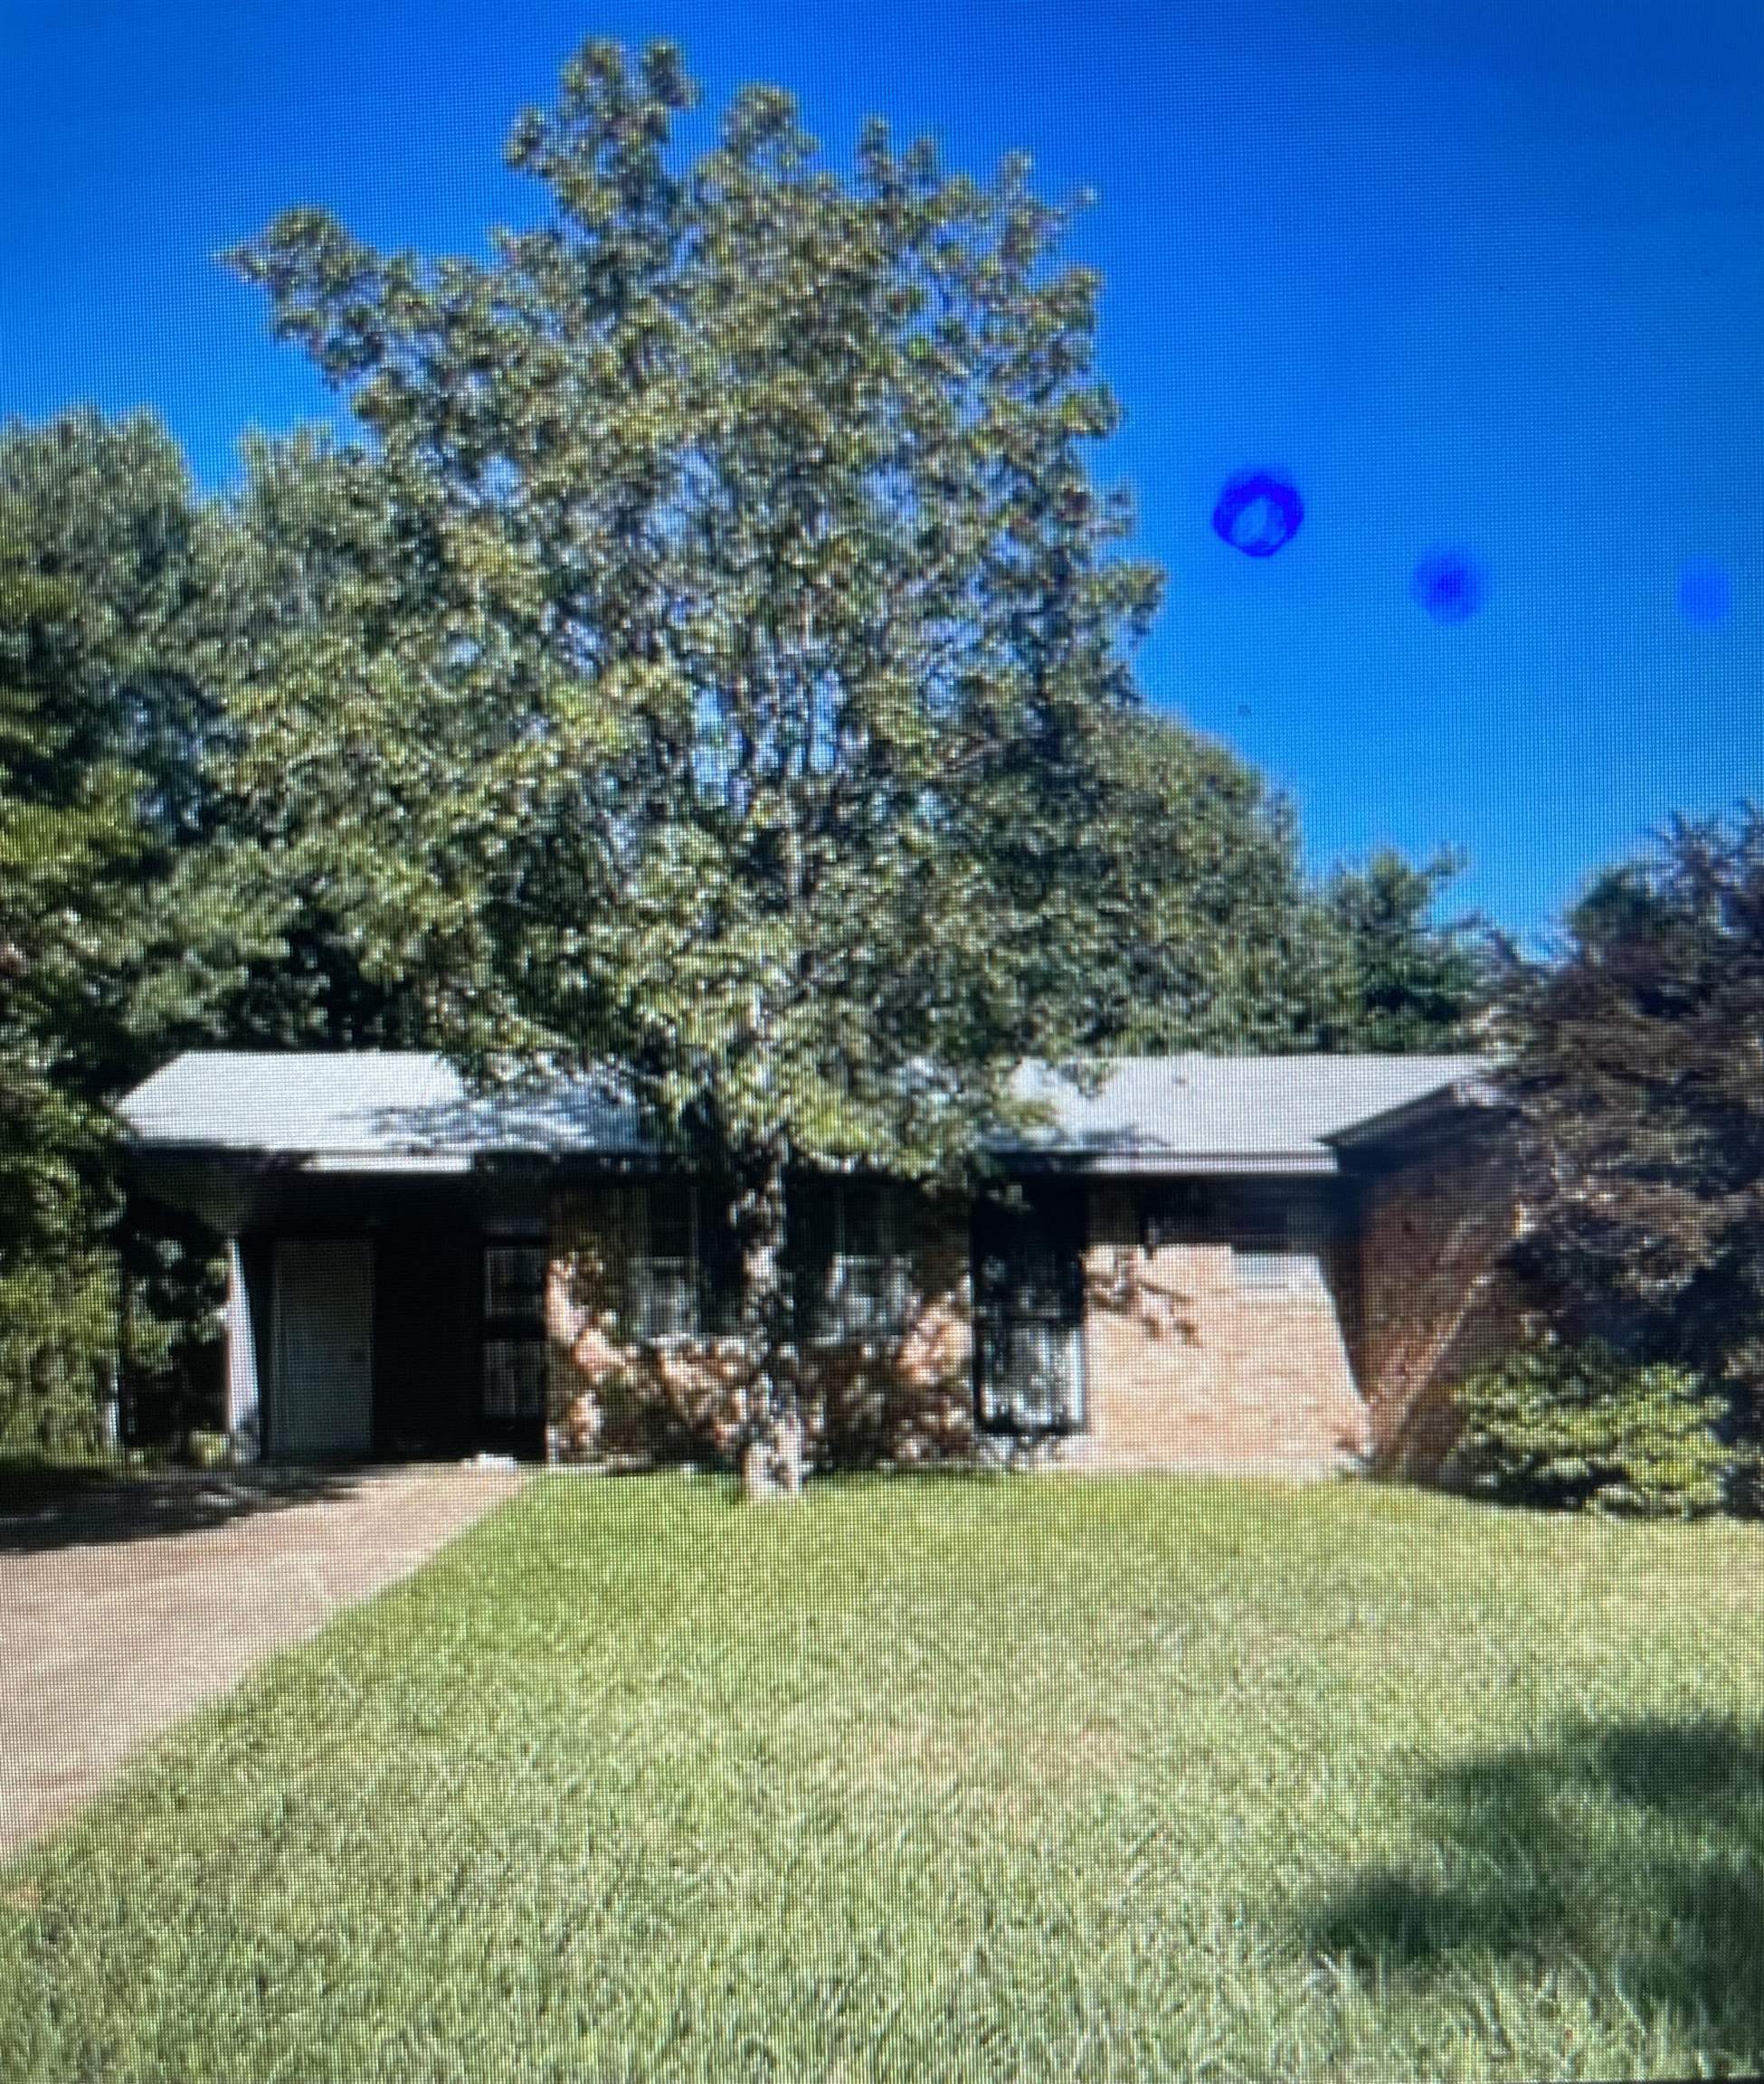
[924,1778]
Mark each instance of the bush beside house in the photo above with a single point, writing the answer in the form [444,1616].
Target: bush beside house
[1578,1425]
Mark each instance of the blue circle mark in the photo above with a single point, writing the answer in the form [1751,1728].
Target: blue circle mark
[1704,593]
[1449,585]
[1258,513]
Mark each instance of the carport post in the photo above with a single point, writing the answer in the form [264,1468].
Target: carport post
[245,1423]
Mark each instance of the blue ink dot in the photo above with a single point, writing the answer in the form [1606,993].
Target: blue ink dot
[1258,513]
[1704,595]
[1449,585]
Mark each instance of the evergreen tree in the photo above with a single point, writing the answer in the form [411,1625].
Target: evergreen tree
[1397,981]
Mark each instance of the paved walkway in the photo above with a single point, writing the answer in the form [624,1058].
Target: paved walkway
[122,1609]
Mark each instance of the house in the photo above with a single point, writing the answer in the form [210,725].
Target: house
[1269,1263]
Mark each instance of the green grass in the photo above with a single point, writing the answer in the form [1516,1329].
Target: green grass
[940,1778]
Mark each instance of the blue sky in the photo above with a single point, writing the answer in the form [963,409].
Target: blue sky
[1483,275]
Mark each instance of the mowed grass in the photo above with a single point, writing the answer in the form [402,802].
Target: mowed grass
[1036,1778]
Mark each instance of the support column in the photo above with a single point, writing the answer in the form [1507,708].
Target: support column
[244,1415]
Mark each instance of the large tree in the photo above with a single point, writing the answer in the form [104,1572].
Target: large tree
[1637,1053]
[722,714]
[1207,935]
[1204,934]
[311,545]
[715,665]
[118,935]
[1390,975]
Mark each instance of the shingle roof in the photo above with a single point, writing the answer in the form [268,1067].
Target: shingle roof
[1170,1113]
[362,1102]
[1220,1113]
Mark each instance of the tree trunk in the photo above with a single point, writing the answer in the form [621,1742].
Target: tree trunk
[771,1454]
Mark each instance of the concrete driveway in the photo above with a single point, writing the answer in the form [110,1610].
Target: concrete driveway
[122,1609]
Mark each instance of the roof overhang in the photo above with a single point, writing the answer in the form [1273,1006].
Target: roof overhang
[1461,1100]
[381,1163]
[1140,1164]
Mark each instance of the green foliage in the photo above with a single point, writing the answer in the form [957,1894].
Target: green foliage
[311,544]
[1203,932]
[58,1345]
[119,938]
[739,603]
[205,1449]
[1397,981]
[1635,1056]
[718,665]
[1578,1425]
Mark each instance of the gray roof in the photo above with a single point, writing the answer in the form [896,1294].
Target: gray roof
[363,1105]
[1237,1113]
[409,1110]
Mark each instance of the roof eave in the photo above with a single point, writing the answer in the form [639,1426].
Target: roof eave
[1461,1096]
[1166,1164]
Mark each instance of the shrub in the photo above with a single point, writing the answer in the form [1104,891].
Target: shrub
[1578,1425]
[57,1342]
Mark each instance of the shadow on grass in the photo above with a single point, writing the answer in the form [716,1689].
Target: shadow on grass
[1630,1850]
[45,1507]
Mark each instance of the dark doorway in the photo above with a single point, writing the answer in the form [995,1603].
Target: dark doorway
[511,1383]
[426,1332]
[1028,1310]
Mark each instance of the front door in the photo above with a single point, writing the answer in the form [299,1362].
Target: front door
[1029,1297]
[324,1349]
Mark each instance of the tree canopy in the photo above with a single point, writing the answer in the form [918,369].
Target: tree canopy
[118,935]
[1636,1054]
[713,664]
[753,574]
[726,676]
[1207,933]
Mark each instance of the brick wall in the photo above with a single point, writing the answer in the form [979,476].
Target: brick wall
[1434,1301]
[1186,1365]
[616,1400]
[1187,1368]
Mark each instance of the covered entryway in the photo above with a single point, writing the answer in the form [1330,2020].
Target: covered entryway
[323,1398]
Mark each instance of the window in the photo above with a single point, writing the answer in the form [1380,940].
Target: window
[514,1377]
[1259,1268]
[861,1283]
[1031,1376]
[515,1280]
[663,1272]
[1274,1244]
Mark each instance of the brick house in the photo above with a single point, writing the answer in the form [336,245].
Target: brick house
[1273,1264]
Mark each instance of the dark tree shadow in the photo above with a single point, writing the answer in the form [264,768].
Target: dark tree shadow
[106,1508]
[1634,1849]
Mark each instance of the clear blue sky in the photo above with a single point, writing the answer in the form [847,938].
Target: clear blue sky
[1489,274]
